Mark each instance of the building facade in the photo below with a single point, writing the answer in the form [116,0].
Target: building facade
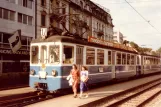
[15,15]
[81,18]
[118,37]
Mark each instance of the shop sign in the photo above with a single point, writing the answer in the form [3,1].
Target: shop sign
[7,51]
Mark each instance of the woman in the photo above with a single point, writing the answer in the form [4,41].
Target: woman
[84,81]
[75,76]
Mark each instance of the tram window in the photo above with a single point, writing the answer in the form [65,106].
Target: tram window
[43,54]
[138,61]
[132,59]
[118,58]
[128,59]
[90,56]
[54,54]
[35,54]
[68,56]
[109,58]
[124,59]
[100,56]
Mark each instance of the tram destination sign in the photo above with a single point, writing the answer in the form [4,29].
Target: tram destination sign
[9,51]
[98,41]
[110,44]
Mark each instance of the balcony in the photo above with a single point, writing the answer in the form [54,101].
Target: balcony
[100,33]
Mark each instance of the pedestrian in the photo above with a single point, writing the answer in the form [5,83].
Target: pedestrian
[75,78]
[84,82]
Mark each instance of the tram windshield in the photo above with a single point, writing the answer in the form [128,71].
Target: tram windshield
[34,54]
[54,54]
[43,54]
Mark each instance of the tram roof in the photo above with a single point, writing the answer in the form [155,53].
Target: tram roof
[80,41]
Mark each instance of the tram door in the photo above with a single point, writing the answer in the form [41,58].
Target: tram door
[79,56]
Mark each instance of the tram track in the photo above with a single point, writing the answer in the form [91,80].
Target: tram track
[129,96]
[139,98]
[33,97]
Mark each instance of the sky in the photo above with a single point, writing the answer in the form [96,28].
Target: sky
[132,25]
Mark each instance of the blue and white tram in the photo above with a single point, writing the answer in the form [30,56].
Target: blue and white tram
[51,61]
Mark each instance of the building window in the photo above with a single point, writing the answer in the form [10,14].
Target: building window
[25,19]
[5,14]
[20,2]
[12,1]
[24,40]
[43,18]
[25,3]
[20,17]
[0,37]
[5,37]
[0,12]
[64,8]
[29,20]
[29,4]
[29,40]
[12,15]
[43,2]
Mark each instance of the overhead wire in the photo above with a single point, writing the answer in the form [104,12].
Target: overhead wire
[142,17]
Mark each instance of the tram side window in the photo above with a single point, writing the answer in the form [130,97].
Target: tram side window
[100,56]
[54,54]
[109,58]
[68,56]
[43,54]
[90,56]
[138,61]
[118,58]
[128,59]
[35,54]
[132,59]
[124,59]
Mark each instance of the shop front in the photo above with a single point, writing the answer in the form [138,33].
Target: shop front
[14,62]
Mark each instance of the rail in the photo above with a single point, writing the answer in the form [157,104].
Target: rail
[123,96]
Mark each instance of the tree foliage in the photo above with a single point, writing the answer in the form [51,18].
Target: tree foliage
[140,49]
[159,50]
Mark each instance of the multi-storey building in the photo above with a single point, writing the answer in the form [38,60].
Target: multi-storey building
[81,18]
[118,36]
[14,15]
[102,26]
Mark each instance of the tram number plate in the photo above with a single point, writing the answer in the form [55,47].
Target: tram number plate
[42,74]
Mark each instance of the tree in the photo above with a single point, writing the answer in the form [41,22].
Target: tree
[134,45]
[159,50]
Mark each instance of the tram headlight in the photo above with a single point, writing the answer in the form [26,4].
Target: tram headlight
[32,72]
[53,73]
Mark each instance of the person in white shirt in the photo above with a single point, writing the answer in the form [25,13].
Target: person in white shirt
[84,82]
